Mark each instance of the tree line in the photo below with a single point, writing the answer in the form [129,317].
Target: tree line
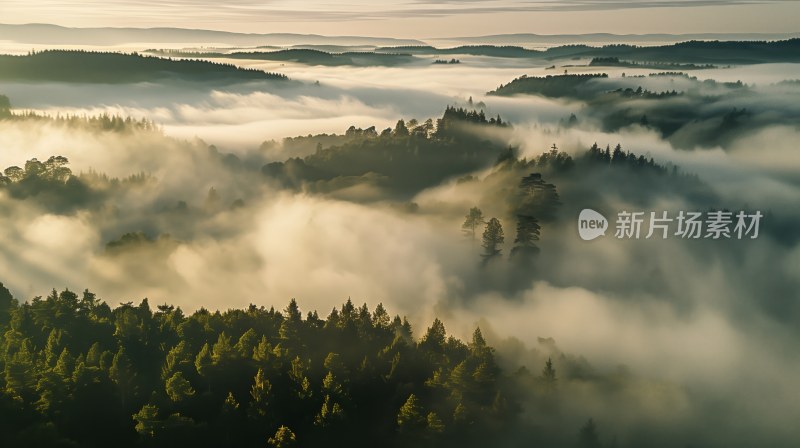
[76,372]
[112,68]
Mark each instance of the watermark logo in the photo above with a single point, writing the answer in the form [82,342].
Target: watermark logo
[685,225]
[591,224]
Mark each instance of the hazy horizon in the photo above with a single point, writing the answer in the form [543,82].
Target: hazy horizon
[429,19]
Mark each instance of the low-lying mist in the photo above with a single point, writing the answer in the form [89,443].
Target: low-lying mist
[664,342]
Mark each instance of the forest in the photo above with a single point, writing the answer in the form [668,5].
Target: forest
[683,109]
[115,68]
[380,246]
[309,56]
[77,372]
[556,86]
[456,145]
[690,55]
[698,52]
[451,146]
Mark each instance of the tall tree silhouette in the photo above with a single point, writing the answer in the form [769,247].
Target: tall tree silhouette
[493,238]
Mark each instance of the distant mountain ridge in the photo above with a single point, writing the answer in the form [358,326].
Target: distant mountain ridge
[532,39]
[36,33]
[695,52]
[55,34]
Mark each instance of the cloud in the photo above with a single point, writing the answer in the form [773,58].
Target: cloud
[321,10]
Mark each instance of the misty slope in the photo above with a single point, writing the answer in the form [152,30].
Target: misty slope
[558,86]
[402,162]
[701,52]
[387,160]
[686,111]
[475,50]
[113,68]
[534,39]
[304,56]
[698,52]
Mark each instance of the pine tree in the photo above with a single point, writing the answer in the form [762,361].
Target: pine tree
[283,438]
[617,156]
[410,418]
[93,355]
[549,375]
[178,388]
[400,129]
[124,375]
[461,416]
[65,364]
[435,337]
[478,345]
[222,352]
[538,198]
[147,422]
[260,394]
[493,237]
[332,386]
[473,220]
[263,352]
[588,437]
[246,343]
[178,359]
[53,392]
[528,231]
[204,360]
[330,413]
[435,424]
[53,348]
[380,318]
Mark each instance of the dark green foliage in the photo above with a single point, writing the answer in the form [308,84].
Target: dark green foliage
[7,303]
[703,52]
[5,106]
[316,57]
[697,52]
[493,239]
[533,190]
[507,51]
[689,113]
[284,438]
[131,239]
[528,231]
[77,373]
[620,158]
[307,56]
[538,198]
[401,161]
[50,182]
[588,437]
[115,68]
[473,220]
[549,374]
[557,86]
[646,94]
[616,62]
[98,123]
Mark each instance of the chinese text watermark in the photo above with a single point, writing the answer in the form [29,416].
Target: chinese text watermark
[661,225]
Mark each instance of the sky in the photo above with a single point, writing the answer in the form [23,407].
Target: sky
[418,18]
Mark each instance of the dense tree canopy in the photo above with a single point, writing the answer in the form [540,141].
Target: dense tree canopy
[76,372]
[115,68]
